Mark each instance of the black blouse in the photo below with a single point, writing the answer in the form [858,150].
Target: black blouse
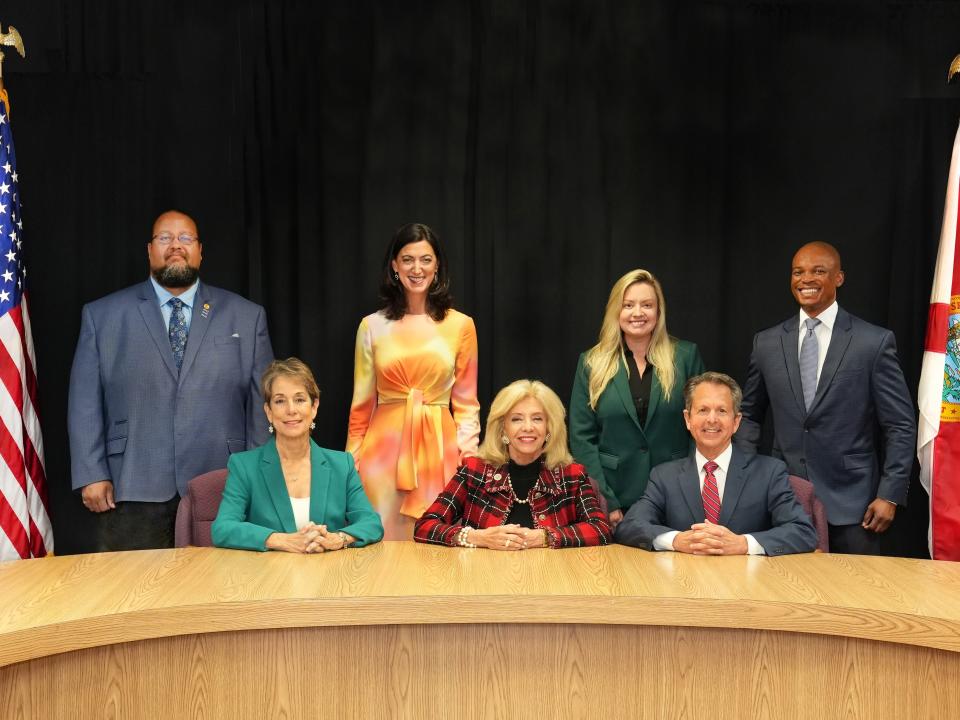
[523,478]
[640,386]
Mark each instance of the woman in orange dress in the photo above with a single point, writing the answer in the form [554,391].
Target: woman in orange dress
[416,360]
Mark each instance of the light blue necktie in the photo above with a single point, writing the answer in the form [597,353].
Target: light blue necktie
[809,357]
[177,331]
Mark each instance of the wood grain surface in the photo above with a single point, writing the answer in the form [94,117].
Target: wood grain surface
[405,630]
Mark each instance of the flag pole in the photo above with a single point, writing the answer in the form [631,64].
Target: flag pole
[12,39]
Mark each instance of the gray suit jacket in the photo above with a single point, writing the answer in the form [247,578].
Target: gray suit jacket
[134,420]
[861,391]
[757,499]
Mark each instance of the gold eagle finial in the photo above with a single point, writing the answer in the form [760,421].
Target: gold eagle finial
[954,69]
[12,39]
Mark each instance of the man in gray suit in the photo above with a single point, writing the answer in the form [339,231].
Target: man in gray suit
[834,385]
[719,501]
[164,387]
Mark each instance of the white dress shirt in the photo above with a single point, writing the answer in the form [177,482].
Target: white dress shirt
[664,541]
[301,511]
[823,331]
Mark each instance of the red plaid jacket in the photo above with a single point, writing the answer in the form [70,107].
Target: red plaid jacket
[562,500]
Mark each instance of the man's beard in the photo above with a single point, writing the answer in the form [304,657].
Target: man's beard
[179,275]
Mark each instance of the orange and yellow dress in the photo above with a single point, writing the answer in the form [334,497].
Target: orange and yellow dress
[408,374]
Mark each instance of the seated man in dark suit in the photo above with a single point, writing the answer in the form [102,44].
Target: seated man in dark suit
[719,501]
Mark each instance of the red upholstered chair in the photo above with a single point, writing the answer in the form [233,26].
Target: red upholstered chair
[803,489]
[198,509]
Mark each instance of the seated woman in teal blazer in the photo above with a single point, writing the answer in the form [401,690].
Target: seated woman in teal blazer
[626,408]
[291,494]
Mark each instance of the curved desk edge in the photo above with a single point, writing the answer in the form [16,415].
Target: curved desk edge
[882,626]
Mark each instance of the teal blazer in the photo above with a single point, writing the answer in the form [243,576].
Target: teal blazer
[617,452]
[256,502]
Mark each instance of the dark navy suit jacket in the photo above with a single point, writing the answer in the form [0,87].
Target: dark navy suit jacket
[861,397]
[134,420]
[757,499]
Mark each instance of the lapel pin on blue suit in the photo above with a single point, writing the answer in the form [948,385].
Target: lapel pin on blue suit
[205,311]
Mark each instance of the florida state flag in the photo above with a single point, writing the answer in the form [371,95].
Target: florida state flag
[938,437]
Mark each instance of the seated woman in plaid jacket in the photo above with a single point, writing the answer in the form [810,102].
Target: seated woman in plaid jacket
[523,489]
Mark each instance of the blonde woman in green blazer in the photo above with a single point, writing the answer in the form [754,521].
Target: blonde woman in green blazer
[626,408]
[290,494]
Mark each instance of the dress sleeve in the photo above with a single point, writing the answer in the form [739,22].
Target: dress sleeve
[463,396]
[585,432]
[363,523]
[591,526]
[231,529]
[444,518]
[364,390]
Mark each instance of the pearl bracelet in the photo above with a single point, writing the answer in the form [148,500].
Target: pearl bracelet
[462,537]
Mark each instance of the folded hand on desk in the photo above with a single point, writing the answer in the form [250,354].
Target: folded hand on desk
[708,539]
[507,537]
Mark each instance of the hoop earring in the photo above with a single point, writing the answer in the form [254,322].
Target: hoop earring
[436,278]
[396,276]
[270,428]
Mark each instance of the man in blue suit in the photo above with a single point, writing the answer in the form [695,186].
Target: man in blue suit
[164,387]
[718,501]
[834,385]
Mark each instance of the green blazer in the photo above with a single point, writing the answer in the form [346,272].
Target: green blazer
[256,502]
[617,452]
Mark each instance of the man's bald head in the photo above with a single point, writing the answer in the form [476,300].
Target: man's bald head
[815,275]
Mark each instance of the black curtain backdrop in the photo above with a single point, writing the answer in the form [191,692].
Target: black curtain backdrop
[553,145]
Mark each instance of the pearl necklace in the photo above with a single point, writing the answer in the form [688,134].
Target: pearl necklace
[525,501]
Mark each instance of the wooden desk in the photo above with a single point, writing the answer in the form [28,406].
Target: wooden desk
[405,630]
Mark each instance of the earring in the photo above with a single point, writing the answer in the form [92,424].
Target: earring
[504,439]
[547,438]
[396,276]
[436,278]
[270,428]
[313,426]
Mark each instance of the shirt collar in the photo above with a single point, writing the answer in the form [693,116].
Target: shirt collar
[164,295]
[828,317]
[722,460]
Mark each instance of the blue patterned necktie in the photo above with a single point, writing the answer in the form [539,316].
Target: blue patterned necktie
[809,359]
[177,331]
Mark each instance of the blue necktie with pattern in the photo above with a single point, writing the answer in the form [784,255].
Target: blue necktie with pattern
[809,359]
[177,331]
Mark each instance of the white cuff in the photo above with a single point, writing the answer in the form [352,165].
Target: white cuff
[665,541]
[753,547]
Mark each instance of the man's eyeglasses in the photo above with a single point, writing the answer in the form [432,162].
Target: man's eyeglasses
[164,239]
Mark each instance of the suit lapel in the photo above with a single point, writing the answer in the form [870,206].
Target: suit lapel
[319,484]
[791,356]
[839,342]
[276,486]
[153,320]
[733,486]
[199,323]
[622,385]
[655,394]
[690,488]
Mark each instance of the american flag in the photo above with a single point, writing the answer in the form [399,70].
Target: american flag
[24,519]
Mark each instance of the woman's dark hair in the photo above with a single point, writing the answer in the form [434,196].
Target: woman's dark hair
[439,299]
